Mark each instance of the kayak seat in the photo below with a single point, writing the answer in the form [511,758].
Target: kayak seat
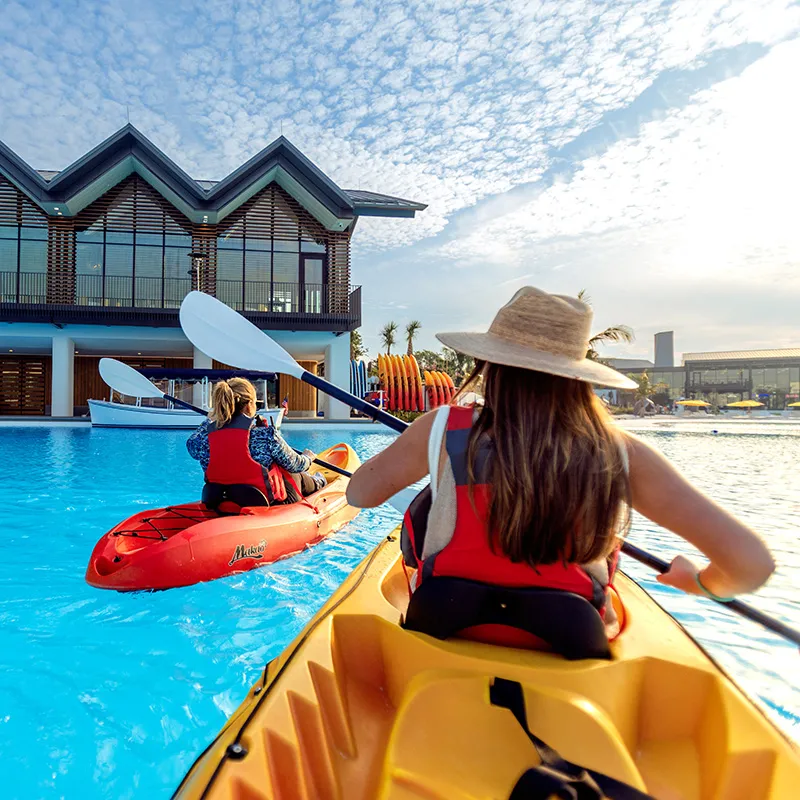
[444,607]
[232,498]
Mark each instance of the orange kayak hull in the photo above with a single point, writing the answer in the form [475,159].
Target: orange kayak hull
[187,544]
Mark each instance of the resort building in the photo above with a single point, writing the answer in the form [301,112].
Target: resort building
[771,377]
[95,260]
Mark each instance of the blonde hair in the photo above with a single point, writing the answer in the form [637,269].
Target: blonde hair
[560,490]
[229,399]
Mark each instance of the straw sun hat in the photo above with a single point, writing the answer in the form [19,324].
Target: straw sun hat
[543,332]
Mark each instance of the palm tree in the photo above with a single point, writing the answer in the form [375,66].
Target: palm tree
[411,332]
[615,333]
[387,335]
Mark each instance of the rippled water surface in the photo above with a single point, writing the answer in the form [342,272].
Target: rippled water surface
[105,695]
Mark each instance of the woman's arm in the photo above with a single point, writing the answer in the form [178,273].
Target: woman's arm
[740,561]
[267,446]
[197,445]
[403,462]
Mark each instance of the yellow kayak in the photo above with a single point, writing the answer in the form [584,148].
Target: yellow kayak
[358,707]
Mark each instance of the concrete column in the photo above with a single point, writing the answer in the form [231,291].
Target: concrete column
[62,399]
[200,361]
[337,372]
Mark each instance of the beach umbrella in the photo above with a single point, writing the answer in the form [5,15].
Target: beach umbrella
[745,404]
[694,403]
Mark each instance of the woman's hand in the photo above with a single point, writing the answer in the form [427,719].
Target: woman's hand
[682,574]
[310,453]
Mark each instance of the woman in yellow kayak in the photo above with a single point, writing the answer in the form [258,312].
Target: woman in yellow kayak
[531,489]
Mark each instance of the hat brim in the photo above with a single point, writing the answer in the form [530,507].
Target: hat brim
[497,350]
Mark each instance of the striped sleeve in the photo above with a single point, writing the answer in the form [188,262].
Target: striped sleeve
[267,446]
[197,445]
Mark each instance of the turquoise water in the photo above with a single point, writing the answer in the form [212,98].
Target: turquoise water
[104,695]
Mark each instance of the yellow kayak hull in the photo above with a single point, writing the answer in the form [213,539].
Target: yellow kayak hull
[357,707]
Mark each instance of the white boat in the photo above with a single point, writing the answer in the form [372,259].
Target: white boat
[108,414]
[105,414]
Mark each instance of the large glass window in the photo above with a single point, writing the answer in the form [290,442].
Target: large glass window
[262,256]
[258,277]
[794,381]
[260,274]
[132,250]
[23,263]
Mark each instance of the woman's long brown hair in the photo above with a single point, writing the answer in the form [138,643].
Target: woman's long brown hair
[559,487]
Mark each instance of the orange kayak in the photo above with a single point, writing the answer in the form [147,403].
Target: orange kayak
[402,386]
[187,544]
[420,395]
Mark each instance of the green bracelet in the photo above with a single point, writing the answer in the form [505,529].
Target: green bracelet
[707,593]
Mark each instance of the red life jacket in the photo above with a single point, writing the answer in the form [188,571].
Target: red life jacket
[230,461]
[469,555]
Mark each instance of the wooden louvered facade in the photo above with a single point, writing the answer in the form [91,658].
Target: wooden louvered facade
[24,385]
[23,247]
[131,256]
[17,209]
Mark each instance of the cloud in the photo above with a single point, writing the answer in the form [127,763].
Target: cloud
[705,192]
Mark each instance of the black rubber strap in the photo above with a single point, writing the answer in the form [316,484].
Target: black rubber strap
[555,776]
[540,783]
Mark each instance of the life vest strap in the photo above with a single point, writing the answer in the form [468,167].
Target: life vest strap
[555,776]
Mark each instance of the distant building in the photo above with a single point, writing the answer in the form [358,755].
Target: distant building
[769,376]
[664,349]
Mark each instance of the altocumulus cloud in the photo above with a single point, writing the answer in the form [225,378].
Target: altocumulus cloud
[452,103]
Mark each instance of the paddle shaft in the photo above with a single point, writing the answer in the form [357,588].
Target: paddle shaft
[659,565]
[184,404]
[354,402]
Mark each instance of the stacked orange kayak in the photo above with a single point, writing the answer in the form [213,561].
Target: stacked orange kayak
[401,382]
[406,389]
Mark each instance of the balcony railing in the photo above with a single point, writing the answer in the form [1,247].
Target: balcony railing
[23,287]
[145,300]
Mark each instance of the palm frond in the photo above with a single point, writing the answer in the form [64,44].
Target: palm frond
[615,333]
[387,335]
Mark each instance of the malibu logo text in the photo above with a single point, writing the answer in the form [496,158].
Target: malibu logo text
[254,551]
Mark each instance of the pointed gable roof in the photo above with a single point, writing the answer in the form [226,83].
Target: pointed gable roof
[128,151]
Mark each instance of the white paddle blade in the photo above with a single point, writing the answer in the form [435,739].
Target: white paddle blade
[126,380]
[402,500]
[224,334]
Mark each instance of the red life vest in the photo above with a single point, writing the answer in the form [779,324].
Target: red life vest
[469,555]
[230,461]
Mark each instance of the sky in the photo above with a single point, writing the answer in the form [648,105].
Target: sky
[645,151]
